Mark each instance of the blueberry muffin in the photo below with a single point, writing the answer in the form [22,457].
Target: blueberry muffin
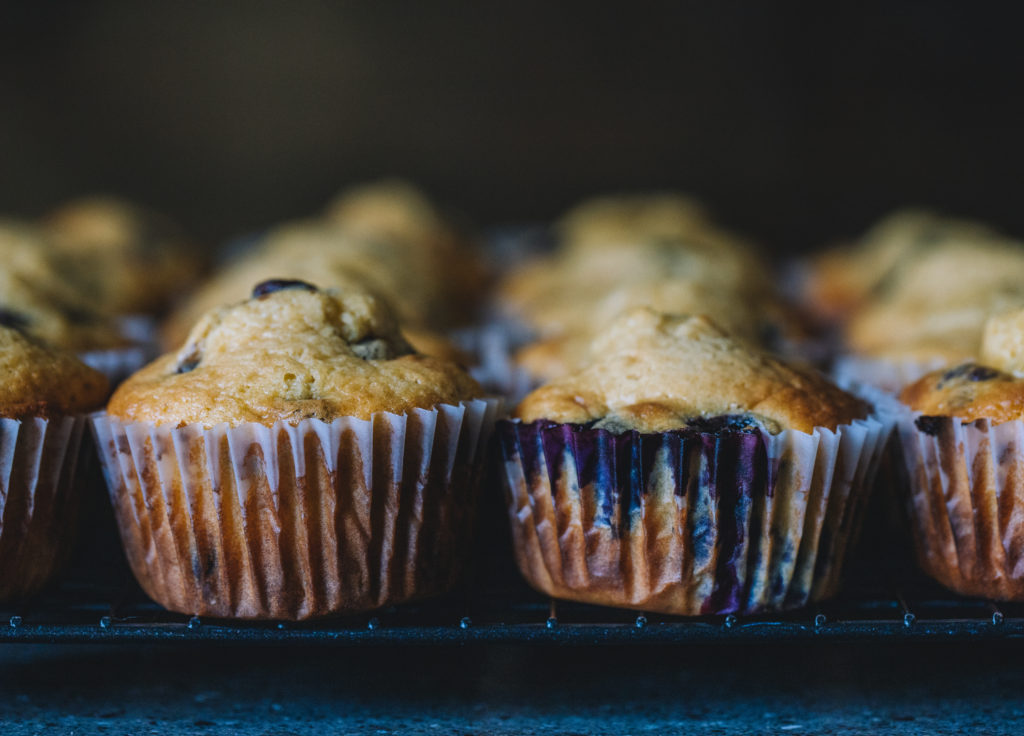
[38,296]
[552,357]
[629,242]
[961,447]
[325,255]
[683,471]
[395,212]
[131,259]
[842,279]
[43,397]
[296,458]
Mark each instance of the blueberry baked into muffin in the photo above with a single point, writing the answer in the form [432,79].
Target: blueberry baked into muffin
[683,471]
[295,458]
[43,398]
[962,446]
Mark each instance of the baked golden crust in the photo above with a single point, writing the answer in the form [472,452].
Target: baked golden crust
[42,381]
[653,372]
[969,391]
[289,355]
[130,258]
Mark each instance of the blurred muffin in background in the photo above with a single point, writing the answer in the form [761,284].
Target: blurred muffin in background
[611,242]
[397,212]
[843,278]
[755,321]
[129,258]
[39,296]
[940,298]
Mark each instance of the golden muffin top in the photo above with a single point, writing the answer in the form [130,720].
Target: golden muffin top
[314,252]
[989,388]
[654,372]
[291,352]
[41,381]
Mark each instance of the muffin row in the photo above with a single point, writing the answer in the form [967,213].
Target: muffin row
[316,449]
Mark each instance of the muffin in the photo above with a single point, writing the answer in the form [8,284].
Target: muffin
[932,310]
[645,242]
[684,472]
[841,279]
[131,259]
[294,459]
[312,251]
[396,212]
[43,398]
[40,295]
[558,355]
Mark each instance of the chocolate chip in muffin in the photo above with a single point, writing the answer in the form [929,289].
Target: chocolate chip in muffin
[270,286]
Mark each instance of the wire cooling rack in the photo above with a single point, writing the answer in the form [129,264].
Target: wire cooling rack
[77,611]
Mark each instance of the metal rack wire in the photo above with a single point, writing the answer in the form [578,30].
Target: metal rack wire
[79,612]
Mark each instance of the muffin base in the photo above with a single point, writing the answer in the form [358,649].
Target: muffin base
[966,502]
[294,522]
[683,522]
[38,504]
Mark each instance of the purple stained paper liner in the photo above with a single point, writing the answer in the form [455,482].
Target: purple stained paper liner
[39,501]
[684,522]
[295,522]
[966,502]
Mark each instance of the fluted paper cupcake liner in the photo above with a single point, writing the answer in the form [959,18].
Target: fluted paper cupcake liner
[887,375]
[292,522]
[966,502]
[684,522]
[39,503]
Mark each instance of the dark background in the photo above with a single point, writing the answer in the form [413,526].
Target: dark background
[798,123]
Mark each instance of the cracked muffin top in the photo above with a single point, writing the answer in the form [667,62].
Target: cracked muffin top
[654,372]
[992,388]
[41,381]
[289,353]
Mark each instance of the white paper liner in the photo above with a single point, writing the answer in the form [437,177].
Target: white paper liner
[292,522]
[888,375]
[669,556]
[966,502]
[38,501]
